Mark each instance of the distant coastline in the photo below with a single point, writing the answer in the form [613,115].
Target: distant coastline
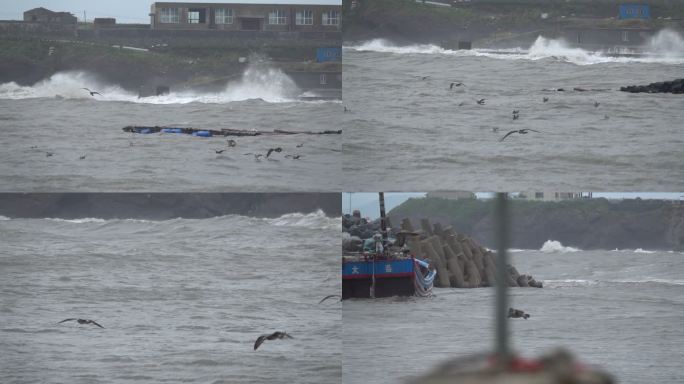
[585,224]
[163,206]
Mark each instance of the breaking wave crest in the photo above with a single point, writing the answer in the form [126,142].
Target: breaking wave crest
[385,46]
[257,83]
[316,219]
[553,246]
[667,47]
[562,283]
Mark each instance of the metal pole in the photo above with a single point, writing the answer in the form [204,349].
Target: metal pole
[383,225]
[502,228]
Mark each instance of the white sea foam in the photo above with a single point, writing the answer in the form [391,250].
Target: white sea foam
[4,218]
[316,219]
[78,221]
[553,246]
[666,47]
[264,83]
[385,46]
[640,250]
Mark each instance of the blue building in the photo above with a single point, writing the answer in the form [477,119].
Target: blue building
[635,11]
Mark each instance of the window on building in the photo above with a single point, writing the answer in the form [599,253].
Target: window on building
[277,17]
[539,195]
[625,36]
[305,17]
[332,17]
[197,16]
[170,15]
[193,17]
[224,16]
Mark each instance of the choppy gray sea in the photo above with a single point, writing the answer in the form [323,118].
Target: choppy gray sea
[180,300]
[620,310]
[403,132]
[59,117]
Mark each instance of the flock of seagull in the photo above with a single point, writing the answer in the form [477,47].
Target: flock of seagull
[277,335]
[516,113]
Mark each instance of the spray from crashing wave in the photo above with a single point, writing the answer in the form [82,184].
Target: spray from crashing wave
[258,82]
[666,43]
[314,220]
[666,47]
[385,46]
[553,246]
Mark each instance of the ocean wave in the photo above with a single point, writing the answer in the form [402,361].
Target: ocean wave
[667,47]
[316,219]
[270,85]
[570,283]
[589,283]
[78,221]
[553,246]
[385,46]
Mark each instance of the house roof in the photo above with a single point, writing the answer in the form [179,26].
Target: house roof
[45,10]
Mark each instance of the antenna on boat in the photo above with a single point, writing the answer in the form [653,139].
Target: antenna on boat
[501,308]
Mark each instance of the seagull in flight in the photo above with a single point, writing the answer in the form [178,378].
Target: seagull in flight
[293,157]
[329,297]
[272,336]
[92,93]
[82,321]
[517,314]
[271,150]
[596,104]
[232,143]
[219,151]
[82,157]
[520,131]
[455,84]
[481,101]
[545,99]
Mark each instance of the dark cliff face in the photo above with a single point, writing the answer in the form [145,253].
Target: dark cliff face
[586,224]
[161,206]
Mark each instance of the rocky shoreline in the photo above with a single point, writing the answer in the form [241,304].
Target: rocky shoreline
[674,86]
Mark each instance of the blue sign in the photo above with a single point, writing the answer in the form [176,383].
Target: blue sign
[328,54]
[635,11]
[383,268]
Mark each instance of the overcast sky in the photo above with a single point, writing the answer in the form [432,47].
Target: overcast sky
[126,11]
[367,203]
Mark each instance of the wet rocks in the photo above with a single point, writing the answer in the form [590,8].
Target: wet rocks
[675,86]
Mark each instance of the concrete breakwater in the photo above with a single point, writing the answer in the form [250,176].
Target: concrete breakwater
[459,260]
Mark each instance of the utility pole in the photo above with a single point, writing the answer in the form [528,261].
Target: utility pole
[84,17]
